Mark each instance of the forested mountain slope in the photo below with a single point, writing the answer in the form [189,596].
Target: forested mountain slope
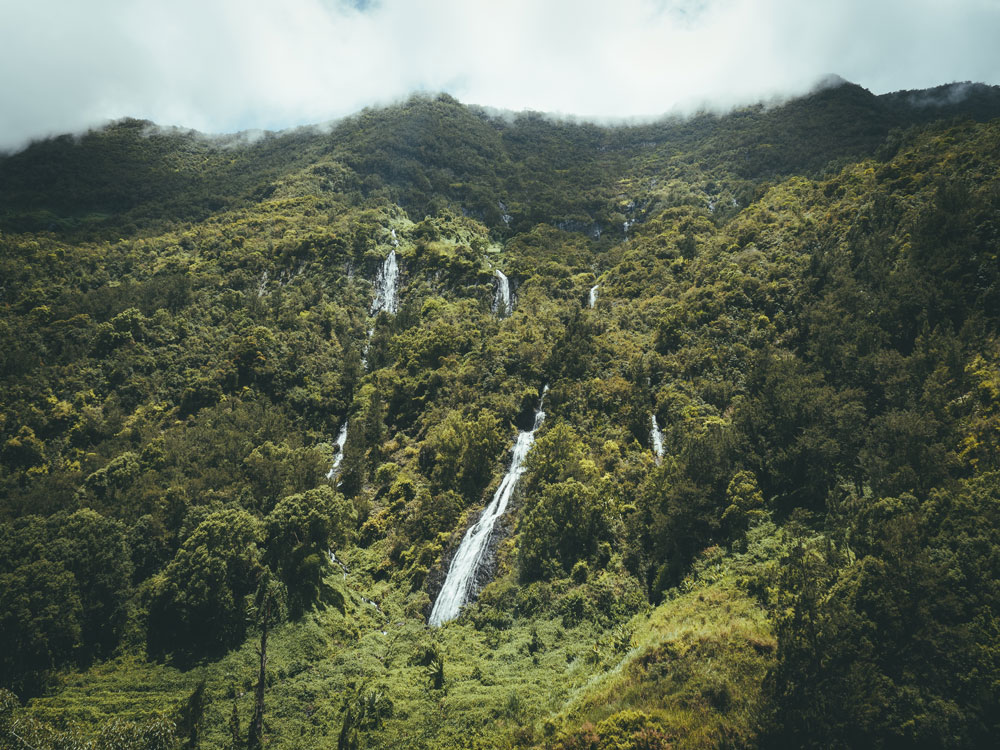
[802,298]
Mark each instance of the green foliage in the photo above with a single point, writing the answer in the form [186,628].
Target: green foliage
[561,529]
[892,629]
[94,549]
[459,453]
[365,709]
[626,730]
[746,503]
[812,427]
[41,622]
[198,601]
[24,450]
[299,532]
[68,582]
[276,470]
[18,730]
[558,455]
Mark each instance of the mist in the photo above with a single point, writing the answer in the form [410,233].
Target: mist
[232,65]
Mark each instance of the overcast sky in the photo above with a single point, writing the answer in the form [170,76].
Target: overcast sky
[225,65]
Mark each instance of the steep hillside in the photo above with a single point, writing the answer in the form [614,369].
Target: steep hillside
[762,508]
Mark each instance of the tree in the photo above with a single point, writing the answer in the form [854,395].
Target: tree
[299,532]
[23,450]
[276,470]
[893,643]
[94,549]
[191,716]
[459,454]
[565,525]
[269,604]
[149,545]
[558,453]
[746,503]
[40,616]
[199,600]
[804,434]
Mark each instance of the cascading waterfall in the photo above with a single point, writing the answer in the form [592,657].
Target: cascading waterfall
[385,286]
[592,299]
[656,437]
[461,580]
[386,292]
[339,456]
[501,297]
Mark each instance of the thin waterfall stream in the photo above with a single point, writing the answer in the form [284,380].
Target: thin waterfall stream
[459,586]
[501,297]
[339,455]
[656,438]
[386,282]
[592,298]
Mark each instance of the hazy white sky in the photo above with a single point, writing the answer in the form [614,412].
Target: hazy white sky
[224,65]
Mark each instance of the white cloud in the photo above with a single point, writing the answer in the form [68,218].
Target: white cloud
[222,65]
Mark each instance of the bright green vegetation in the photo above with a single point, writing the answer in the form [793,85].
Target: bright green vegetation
[807,299]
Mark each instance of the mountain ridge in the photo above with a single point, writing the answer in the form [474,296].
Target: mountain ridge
[213,440]
[43,184]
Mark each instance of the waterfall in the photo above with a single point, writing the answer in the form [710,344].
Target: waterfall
[461,581]
[339,456]
[657,439]
[501,297]
[592,299]
[503,213]
[385,286]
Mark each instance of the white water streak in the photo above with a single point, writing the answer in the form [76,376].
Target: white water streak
[657,439]
[386,286]
[339,456]
[592,299]
[501,297]
[459,586]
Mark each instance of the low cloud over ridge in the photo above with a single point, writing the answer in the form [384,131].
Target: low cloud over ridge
[224,65]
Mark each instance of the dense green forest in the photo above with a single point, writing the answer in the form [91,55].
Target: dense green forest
[805,298]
